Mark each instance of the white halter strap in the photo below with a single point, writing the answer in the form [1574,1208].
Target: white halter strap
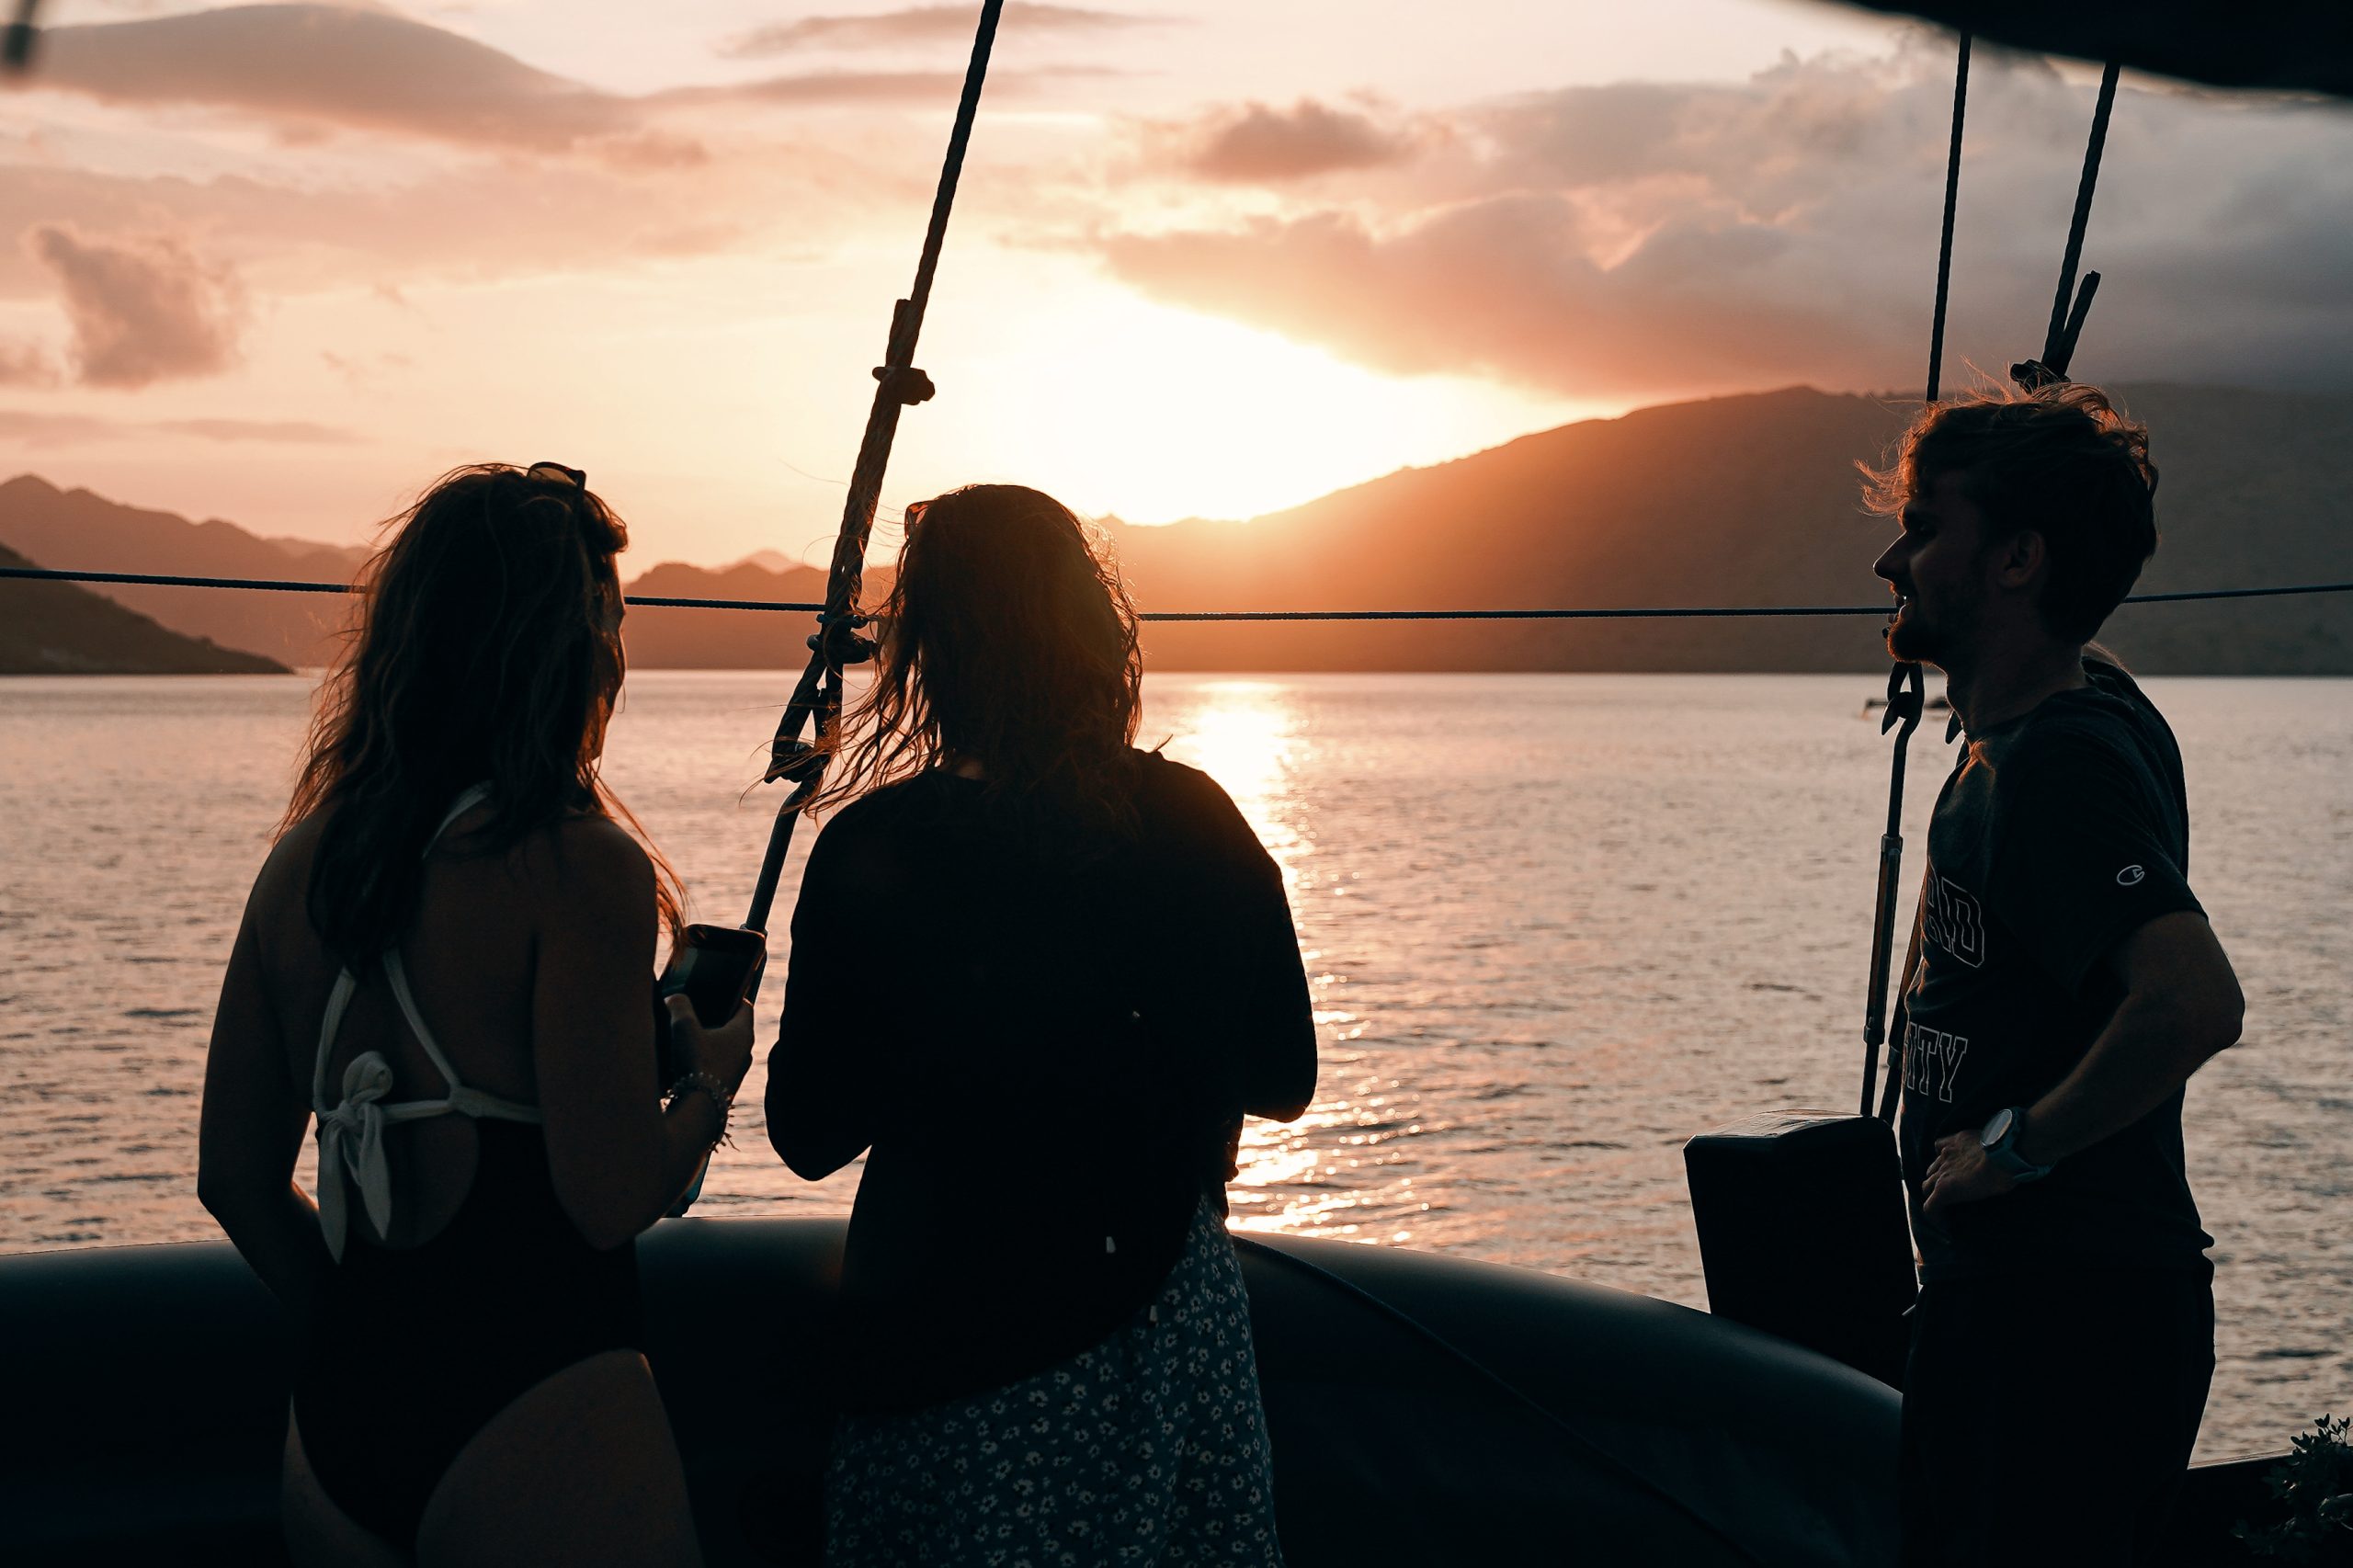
[351,1131]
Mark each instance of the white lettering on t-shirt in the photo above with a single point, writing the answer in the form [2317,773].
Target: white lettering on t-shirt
[1932,1061]
[1953,920]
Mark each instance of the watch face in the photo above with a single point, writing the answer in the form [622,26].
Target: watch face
[1995,1129]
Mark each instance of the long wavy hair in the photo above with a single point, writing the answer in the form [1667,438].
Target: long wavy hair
[487,648]
[1010,641]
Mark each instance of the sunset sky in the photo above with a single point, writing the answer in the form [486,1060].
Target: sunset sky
[282,264]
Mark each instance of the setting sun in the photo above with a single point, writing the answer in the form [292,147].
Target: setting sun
[1120,404]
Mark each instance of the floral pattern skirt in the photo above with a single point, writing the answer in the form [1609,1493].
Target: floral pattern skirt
[1149,1447]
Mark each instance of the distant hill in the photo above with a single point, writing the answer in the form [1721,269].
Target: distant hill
[62,629]
[721,639]
[662,639]
[1748,500]
[75,530]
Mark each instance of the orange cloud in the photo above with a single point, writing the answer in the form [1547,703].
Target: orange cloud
[922,25]
[313,68]
[24,365]
[33,429]
[141,311]
[851,87]
[328,65]
[1255,144]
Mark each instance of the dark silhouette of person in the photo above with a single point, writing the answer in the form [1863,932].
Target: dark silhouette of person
[1038,976]
[446,965]
[2066,986]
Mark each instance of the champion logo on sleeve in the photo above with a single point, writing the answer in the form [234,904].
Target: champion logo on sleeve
[2129,876]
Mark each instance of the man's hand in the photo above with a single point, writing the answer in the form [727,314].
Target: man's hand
[1960,1174]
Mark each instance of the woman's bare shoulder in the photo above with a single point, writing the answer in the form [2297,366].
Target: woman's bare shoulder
[585,856]
[286,870]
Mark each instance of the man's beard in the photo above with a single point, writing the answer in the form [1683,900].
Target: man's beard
[1912,635]
[1911,638]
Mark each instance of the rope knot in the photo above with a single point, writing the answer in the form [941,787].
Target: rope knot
[837,641]
[904,384]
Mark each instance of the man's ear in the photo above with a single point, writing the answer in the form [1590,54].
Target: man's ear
[2019,560]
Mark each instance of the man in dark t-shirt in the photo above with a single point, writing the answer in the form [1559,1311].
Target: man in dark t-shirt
[2065,986]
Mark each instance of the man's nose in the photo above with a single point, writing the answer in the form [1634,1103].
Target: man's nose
[1885,567]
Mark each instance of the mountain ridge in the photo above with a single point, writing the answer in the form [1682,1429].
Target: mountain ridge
[1748,500]
[63,629]
[80,530]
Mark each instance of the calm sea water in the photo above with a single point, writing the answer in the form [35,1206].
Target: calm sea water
[1556,924]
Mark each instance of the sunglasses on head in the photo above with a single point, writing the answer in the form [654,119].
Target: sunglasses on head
[575,477]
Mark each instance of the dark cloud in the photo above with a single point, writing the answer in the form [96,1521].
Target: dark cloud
[921,24]
[141,311]
[1674,240]
[1258,145]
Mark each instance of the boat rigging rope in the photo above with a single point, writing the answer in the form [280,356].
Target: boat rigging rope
[1660,612]
[2066,325]
[1952,201]
[2059,342]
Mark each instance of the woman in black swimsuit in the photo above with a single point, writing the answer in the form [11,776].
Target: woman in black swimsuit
[446,965]
[1038,977]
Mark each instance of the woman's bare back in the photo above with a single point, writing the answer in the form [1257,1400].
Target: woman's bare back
[584,1455]
[469,957]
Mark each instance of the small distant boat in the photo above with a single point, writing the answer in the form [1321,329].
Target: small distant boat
[1937,704]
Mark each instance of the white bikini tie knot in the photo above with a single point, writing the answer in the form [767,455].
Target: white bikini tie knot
[351,1138]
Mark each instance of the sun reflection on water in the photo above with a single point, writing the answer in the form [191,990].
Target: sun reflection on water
[1246,735]
[1250,736]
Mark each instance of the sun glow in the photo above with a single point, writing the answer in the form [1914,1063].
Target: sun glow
[1118,405]
[1243,734]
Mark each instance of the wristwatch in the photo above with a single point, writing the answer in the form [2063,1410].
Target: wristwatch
[2000,1142]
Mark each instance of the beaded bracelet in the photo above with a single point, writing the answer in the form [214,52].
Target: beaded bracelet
[708,1085]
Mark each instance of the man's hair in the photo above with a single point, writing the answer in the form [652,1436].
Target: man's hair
[2060,461]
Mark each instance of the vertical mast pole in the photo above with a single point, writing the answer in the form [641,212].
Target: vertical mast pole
[899,385]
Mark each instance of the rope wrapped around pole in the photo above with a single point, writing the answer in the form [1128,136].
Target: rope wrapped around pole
[837,644]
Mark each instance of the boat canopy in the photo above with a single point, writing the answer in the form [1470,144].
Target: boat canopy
[2286,45]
